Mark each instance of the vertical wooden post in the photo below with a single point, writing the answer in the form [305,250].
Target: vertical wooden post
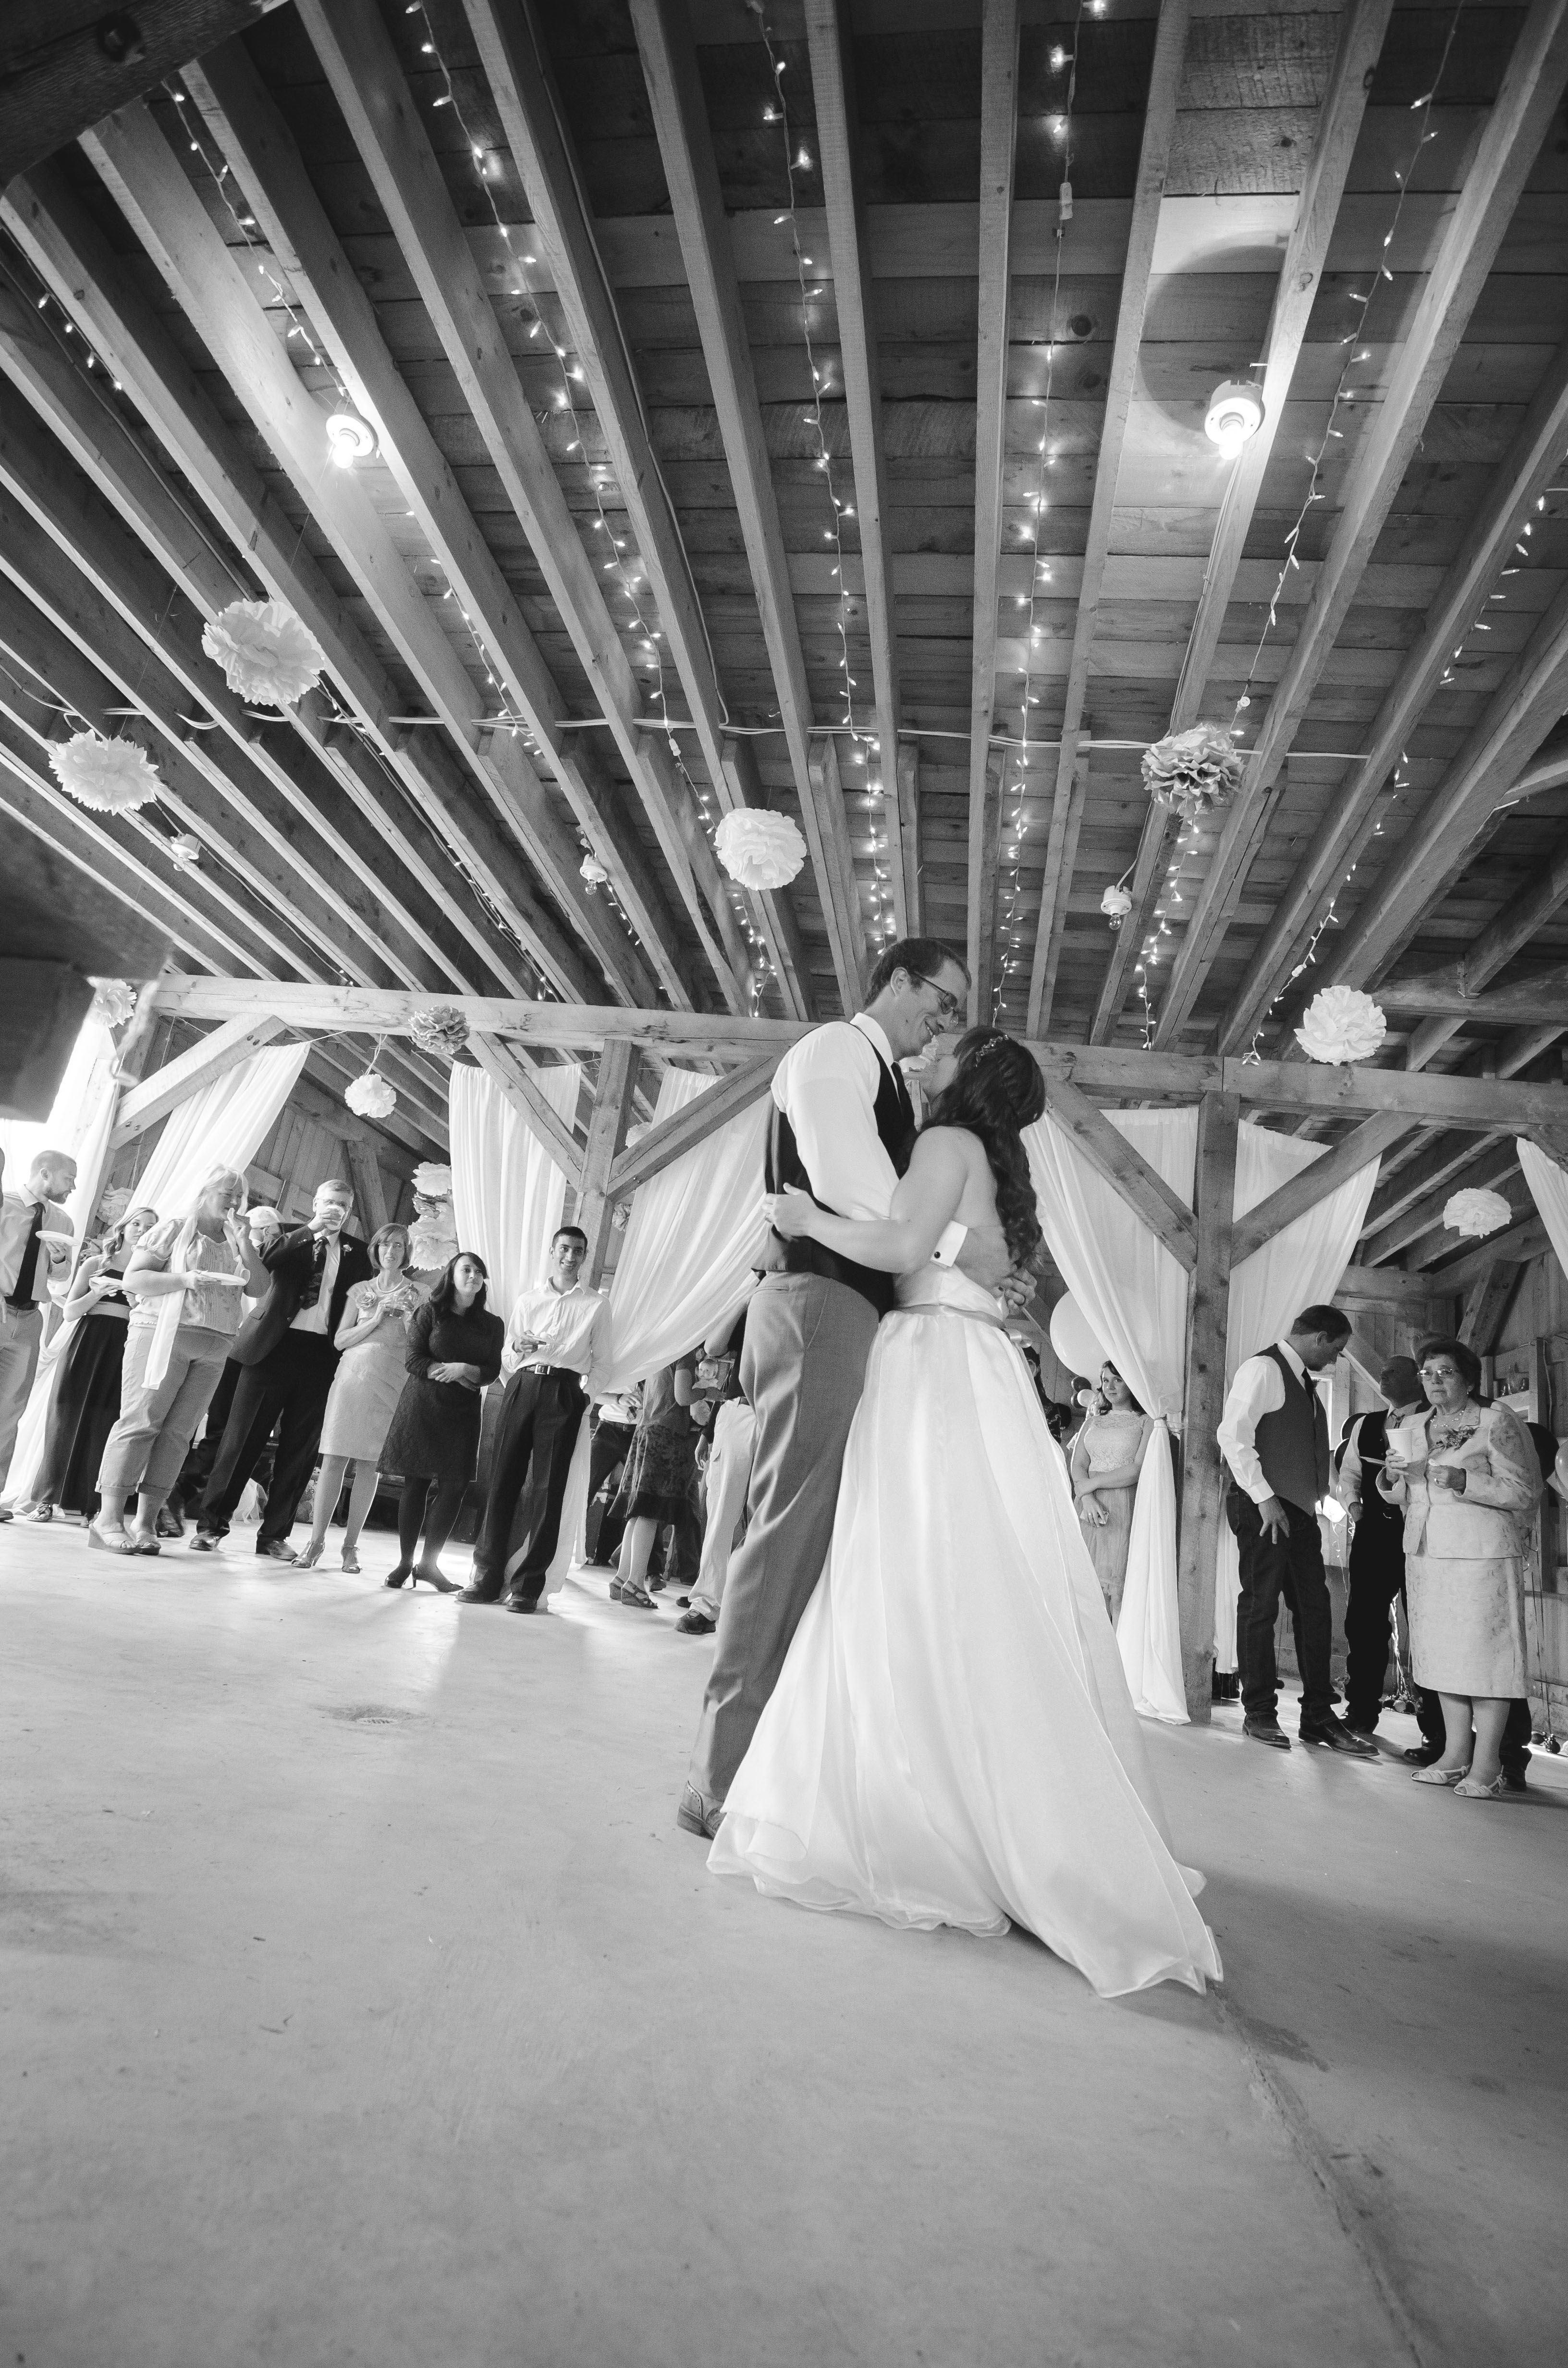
[908,771]
[607,1135]
[1203,1474]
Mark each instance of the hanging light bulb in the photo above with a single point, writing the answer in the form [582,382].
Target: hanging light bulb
[351,438]
[1235,414]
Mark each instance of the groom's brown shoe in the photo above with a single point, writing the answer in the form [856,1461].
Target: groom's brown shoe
[694,1815]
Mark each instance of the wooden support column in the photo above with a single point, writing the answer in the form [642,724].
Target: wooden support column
[1203,1396]
[606,1135]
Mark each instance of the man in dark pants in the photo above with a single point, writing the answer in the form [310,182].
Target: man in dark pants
[1274,1437]
[1376,1572]
[552,1339]
[614,1427]
[287,1360]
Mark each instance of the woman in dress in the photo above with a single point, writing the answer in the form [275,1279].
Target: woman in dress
[188,1278]
[1468,1478]
[1107,1458]
[952,1740]
[86,1401]
[373,1344]
[454,1350]
[660,1477]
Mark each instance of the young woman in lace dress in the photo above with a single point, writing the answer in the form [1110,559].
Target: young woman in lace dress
[1108,1456]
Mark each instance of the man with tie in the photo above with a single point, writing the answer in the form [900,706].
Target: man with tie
[287,1360]
[35,1250]
[843,1127]
[1274,1436]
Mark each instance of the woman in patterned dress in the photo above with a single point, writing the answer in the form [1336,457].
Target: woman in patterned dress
[372,1345]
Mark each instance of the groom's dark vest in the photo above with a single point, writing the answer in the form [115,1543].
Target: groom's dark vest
[1292,1445]
[784,1164]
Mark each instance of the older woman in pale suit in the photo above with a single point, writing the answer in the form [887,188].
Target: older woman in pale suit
[372,1366]
[1469,1480]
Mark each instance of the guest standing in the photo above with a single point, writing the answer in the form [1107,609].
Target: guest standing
[84,1404]
[1108,1456]
[454,1349]
[35,1251]
[660,1472]
[613,1422]
[729,1475]
[1376,1572]
[287,1358]
[556,1335]
[188,1278]
[1274,1436]
[372,1348]
[1467,1478]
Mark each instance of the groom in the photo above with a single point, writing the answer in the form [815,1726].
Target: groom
[843,1127]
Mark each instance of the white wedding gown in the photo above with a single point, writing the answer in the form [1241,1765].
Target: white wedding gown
[952,1740]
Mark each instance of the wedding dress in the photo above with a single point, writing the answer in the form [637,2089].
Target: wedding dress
[952,1740]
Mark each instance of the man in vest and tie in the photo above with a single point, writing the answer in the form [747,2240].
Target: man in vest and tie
[843,1127]
[1274,1436]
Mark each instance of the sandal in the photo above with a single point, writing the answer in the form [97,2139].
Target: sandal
[41,1513]
[307,1555]
[1466,1791]
[1441,1775]
[109,1540]
[638,1596]
[142,1542]
[350,1562]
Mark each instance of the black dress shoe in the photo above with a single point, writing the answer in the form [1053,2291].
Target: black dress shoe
[1266,1730]
[1514,1781]
[520,1603]
[1368,1726]
[474,1594]
[696,1623]
[1422,1755]
[1334,1737]
[276,1550]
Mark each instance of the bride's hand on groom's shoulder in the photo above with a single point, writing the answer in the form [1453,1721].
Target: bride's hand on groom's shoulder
[790,1213]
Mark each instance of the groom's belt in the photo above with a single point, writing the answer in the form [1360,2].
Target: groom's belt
[812,1258]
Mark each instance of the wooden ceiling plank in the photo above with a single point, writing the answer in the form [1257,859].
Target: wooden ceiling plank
[1352,817]
[77,265]
[1125,1169]
[1521,919]
[686,147]
[354,49]
[998,145]
[1529,93]
[1312,1185]
[1487,1304]
[1067,802]
[830,44]
[240,112]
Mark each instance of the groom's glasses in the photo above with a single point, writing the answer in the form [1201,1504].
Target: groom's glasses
[948,1006]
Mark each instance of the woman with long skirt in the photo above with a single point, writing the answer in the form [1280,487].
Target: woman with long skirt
[85,1400]
[372,1365]
[454,1351]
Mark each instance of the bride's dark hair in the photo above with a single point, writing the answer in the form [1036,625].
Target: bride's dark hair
[996,1091]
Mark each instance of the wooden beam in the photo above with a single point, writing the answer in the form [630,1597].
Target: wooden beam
[551,1131]
[356,50]
[365,1171]
[844,923]
[1203,1397]
[1067,803]
[1520,919]
[1527,1238]
[1385,1285]
[53,89]
[1314,1184]
[998,145]
[1125,1169]
[777,918]
[909,835]
[830,44]
[1528,98]
[192,1073]
[1487,1304]
[607,1135]
[1544,998]
[714,1108]
[241,113]
[691,174]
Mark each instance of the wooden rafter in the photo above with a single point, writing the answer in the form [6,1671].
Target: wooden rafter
[501,1065]
[192,1073]
[1312,1185]
[829,39]
[1346,829]
[1489,1162]
[1531,88]
[713,1107]
[242,114]
[1542,996]
[1125,1169]
[1521,919]
[1071,768]
[607,1135]
[998,148]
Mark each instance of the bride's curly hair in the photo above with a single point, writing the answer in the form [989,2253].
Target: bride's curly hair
[995,1092]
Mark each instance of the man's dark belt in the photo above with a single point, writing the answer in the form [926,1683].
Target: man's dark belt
[568,1371]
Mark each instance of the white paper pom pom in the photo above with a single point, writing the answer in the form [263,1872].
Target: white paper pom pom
[432,1181]
[107,776]
[758,849]
[1341,1024]
[113,1002]
[432,1241]
[439,1028]
[1194,771]
[1116,904]
[267,655]
[370,1096]
[1475,1213]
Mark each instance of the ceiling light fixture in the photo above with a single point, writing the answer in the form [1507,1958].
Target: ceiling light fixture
[1235,414]
[351,438]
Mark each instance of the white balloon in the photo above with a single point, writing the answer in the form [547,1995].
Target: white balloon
[1073,1340]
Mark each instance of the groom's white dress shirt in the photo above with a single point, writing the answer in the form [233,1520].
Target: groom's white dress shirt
[826,1086]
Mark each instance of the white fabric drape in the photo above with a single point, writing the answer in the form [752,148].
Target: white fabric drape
[1299,1267]
[508,1193]
[223,1126]
[1548,1189]
[1133,1293]
[78,1119]
[694,1233]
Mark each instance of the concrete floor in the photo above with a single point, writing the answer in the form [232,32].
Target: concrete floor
[362,2003]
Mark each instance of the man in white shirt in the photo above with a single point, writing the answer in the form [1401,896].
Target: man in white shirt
[842,1129]
[1274,1436]
[556,1336]
[35,1252]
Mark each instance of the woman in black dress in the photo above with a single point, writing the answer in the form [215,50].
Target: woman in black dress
[454,1349]
[85,1404]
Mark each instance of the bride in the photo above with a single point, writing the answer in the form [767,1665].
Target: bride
[952,1740]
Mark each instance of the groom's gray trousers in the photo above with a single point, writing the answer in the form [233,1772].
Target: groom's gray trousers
[803,1368]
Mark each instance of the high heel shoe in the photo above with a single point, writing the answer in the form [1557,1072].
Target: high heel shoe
[396,1577]
[438,1580]
[350,1562]
[116,1543]
[307,1556]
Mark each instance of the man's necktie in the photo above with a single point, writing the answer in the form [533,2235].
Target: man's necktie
[22,1294]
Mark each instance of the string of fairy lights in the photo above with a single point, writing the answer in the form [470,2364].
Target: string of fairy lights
[1012,833]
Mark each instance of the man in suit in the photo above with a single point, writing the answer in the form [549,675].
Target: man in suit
[287,1361]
